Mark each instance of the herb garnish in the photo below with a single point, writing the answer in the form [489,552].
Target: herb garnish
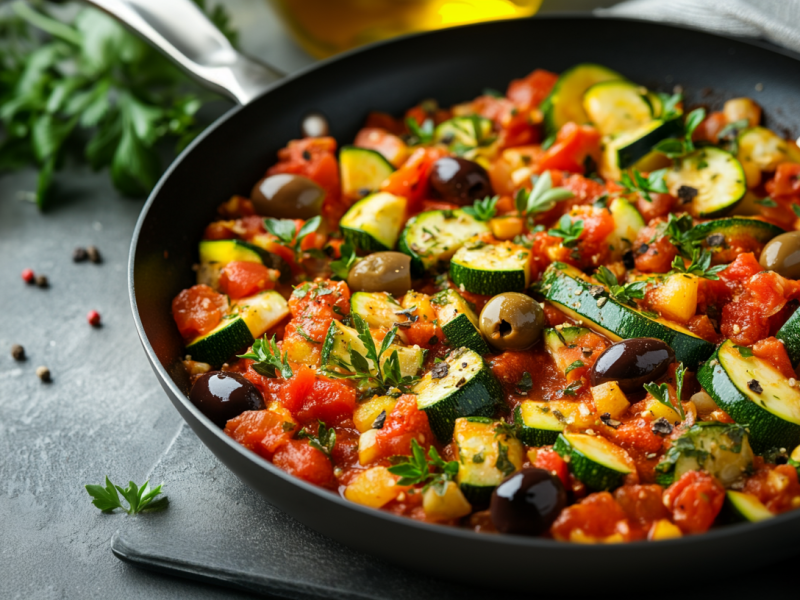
[654,182]
[744,351]
[568,230]
[525,384]
[700,265]
[324,441]
[483,210]
[678,147]
[542,197]
[681,233]
[576,365]
[661,393]
[432,472]
[420,134]
[289,236]
[625,294]
[342,265]
[140,499]
[503,464]
[267,357]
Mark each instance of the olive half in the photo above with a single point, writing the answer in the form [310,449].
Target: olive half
[221,396]
[632,363]
[381,272]
[782,255]
[527,502]
[512,321]
[287,196]
[460,180]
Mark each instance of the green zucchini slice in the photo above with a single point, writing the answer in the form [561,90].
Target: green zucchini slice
[746,507]
[565,102]
[232,335]
[627,223]
[617,106]
[431,238]
[789,334]
[720,449]
[374,223]
[262,311]
[463,133]
[557,339]
[722,233]
[486,456]
[567,289]
[755,394]
[491,269]
[717,177]
[461,386]
[765,148]
[378,309]
[458,321]
[539,423]
[340,339]
[362,171]
[224,251]
[598,463]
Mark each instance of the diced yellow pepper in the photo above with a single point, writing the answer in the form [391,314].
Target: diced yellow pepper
[506,228]
[676,298]
[367,448]
[609,398]
[366,413]
[658,410]
[374,487]
[450,505]
[663,529]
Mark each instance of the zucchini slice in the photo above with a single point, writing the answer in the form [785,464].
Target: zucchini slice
[462,133]
[746,507]
[539,423]
[486,456]
[362,171]
[718,448]
[565,102]
[215,254]
[616,106]
[794,459]
[378,309]
[232,335]
[625,149]
[727,231]
[458,321]
[262,311]
[491,269]
[789,334]
[755,394]
[340,339]
[567,289]
[461,386]
[765,148]
[374,223]
[595,461]
[716,175]
[433,237]
[555,340]
[627,223]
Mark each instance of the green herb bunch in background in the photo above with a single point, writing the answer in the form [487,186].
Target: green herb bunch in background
[72,78]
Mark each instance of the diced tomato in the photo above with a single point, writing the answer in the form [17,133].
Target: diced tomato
[510,367]
[786,181]
[294,390]
[553,316]
[315,305]
[315,158]
[219,230]
[529,91]
[595,518]
[551,461]
[642,503]
[236,207]
[658,206]
[424,330]
[709,128]
[776,487]
[695,501]
[404,423]
[345,451]
[702,326]
[573,144]
[586,190]
[198,310]
[597,226]
[636,435]
[653,256]
[241,279]
[391,147]
[385,121]
[745,320]
[298,458]
[263,431]
[329,400]
[411,180]
[774,352]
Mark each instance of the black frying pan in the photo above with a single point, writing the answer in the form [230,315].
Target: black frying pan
[451,66]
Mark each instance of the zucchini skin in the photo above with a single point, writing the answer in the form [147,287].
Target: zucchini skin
[460,332]
[621,321]
[530,436]
[592,474]
[630,153]
[789,334]
[218,346]
[766,430]
[362,240]
[488,283]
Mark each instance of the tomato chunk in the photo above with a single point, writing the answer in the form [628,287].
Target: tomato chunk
[695,501]
[298,458]
[596,518]
[240,279]
[573,144]
[198,310]
[329,401]
[405,423]
[774,352]
[263,431]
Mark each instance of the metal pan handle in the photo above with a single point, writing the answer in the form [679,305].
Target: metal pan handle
[184,34]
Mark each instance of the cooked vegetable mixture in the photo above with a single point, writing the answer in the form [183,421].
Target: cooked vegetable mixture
[568,311]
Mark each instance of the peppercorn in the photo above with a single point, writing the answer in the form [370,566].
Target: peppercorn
[94,254]
[79,254]
[28,276]
[43,373]
[42,282]
[18,352]
[94,318]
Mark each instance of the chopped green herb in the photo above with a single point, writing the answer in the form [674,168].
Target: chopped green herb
[139,499]
[324,440]
[568,231]
[575,365]
[483,210]
[431,472]
[267,357]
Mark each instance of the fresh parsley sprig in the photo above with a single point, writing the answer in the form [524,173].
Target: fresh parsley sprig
[483,210]
[700,265]
[542,197]
[636,182]
[420,134]
[567,230]
[661,393]
[289,236]
[669,105]
[678,147]
[625,294]
[347,258]
[139,499]
[417,469]
[324,440]
[681,233]
[268,360]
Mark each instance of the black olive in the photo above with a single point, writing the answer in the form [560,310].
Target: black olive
[632,363]
[460,180]
[287,196]
[512,321]
[527,502]
[222,396]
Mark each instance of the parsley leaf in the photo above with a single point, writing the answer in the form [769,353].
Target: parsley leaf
[700,265]
[681,233]
[503,463]
[542,197]
[575,365]
[289,236]
[324,441]
[625,294]
[636,182]
[268,359]
[432,472]
[420,134]
[744,351]
[677,147]
[483,210]
[661,393]
[796,210]
[567,230]
[341,266]
[139,499]
[525,384]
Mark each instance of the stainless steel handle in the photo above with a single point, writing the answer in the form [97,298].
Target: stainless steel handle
[181,31]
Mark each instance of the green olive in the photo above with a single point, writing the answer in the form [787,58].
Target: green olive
[287,196]
[782,255]
[381,272]
[512,321]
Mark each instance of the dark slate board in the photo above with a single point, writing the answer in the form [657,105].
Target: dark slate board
[219,531]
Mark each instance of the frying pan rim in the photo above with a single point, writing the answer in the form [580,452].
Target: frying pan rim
[527,542]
